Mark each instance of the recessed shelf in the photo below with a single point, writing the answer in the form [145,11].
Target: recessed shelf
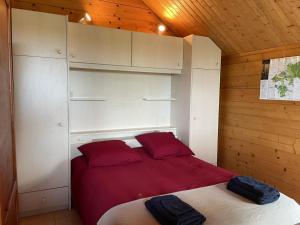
[159,99]
[88,99]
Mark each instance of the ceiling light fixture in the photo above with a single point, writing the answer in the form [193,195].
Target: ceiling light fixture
[161,28]
[86,19]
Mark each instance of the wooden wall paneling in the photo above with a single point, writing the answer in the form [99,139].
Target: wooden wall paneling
[12,214]
[123,14]
[8,204]
[259,55]
[260,138]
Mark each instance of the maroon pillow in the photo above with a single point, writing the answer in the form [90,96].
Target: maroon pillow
[163,144]
[109,153]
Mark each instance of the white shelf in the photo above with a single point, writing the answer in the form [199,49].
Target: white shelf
[93,66]
[88,99]
[159,99]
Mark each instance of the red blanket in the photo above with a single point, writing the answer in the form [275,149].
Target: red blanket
[96,190]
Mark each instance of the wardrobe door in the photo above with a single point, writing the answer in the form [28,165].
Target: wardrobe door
[93,44]
[205,89]
[38,34]
[206,54]
[155,51]
[41,123]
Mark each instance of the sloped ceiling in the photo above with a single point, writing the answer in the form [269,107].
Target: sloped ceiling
[237,26]
[123,14]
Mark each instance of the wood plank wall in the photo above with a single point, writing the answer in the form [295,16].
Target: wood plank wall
[259,138]
[8,187]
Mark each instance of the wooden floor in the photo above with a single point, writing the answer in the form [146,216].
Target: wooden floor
[64,217]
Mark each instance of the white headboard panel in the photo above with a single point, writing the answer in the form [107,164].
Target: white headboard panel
[106,100]
[79,138]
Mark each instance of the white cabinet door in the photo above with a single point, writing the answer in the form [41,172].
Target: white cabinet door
[154,51]
[92,44]
[41,122]
[205,90]
[38,34]
[205,54]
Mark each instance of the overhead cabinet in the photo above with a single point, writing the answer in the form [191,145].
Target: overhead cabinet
[155,51]
[205,53]
[98,48]
[38,34]
[93,44]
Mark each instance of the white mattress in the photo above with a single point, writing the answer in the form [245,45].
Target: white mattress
[220,206]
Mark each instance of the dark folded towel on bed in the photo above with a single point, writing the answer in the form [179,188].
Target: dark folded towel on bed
[169,210]
[254,190]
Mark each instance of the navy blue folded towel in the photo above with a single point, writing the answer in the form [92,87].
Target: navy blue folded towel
[253,190]
[169,210]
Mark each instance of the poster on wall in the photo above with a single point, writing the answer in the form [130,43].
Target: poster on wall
[280,79]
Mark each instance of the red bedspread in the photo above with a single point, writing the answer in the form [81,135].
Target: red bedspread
[96,190]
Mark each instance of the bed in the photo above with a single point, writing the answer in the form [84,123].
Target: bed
[96,190]
[220,206]
[115,195]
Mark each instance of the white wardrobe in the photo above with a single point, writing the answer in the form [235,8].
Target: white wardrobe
[41,110]
[77,82]
[195,114]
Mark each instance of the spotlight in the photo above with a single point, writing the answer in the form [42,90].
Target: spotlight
[86,19]
[161,28]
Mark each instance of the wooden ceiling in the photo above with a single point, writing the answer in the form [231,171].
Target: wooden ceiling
[123,14]
[237,26]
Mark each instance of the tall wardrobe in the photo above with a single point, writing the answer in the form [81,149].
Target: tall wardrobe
[41,117]
[195,114]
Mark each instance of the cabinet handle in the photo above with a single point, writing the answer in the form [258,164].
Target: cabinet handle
[59,51]
[60,124]
[72,55]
